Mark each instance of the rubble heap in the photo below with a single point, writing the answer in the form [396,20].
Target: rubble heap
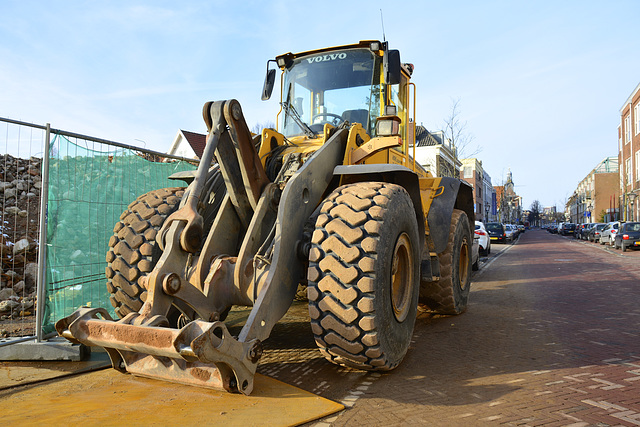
[20,186]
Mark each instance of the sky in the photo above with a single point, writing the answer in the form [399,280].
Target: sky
[539,84]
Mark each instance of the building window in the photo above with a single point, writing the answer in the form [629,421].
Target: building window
[637,165]
[636,116]
[627,171]
[627,129]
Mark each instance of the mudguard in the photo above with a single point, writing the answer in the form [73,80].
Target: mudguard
[396,174]
[457,194]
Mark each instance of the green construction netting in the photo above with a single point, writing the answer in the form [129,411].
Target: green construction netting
[89,187]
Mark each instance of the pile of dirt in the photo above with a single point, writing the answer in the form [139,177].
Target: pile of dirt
[20,186]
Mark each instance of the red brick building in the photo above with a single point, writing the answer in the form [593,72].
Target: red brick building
[629,156]
[472,173]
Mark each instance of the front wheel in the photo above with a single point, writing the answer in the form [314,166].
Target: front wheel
[364,275]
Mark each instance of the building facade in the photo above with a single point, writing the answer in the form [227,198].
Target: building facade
[490,201]
[436,153]
[473,173]
[188,144]
[596,197]
[484,195]
[629,157]
[509,203]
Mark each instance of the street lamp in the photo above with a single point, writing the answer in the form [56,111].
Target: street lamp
[632,198]
[486,210]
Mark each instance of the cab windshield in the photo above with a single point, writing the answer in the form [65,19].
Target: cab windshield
[331,87]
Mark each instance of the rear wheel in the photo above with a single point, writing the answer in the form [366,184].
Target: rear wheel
[133,251]
[450,294]
[364,275]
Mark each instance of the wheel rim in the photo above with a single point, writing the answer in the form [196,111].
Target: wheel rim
[401,277]
[464,260]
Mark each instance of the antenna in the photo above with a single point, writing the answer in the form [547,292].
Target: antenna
[384,38]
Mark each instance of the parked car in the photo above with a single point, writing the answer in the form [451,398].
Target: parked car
[595,231]
[584,230]
[497,232]
[516,231]
[579,230]
[522,229]
[475,253]
[576,233]
[628,236]
[608,233]
[511,231]
[568,228]
[484,241]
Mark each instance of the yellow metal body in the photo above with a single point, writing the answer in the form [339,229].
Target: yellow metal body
[255,244]
[361,147]
[377,150]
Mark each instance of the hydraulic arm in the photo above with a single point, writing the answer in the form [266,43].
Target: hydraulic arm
[250,257]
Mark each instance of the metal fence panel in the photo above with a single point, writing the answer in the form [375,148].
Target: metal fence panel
[88,183]
[20,190]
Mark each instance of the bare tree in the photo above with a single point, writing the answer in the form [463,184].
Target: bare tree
[456,131]
[535,211]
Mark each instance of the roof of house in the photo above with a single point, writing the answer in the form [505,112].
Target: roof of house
[424,138]
[197,141]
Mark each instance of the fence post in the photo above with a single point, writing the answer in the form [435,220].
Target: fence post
[42,253]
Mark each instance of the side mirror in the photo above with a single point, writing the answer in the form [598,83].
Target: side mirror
[392,67]
[269,82]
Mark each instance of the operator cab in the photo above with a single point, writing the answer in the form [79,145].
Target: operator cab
[332,86]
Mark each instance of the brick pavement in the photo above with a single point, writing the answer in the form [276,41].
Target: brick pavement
[551,338]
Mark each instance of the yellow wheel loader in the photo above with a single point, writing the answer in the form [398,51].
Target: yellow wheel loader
[332,200]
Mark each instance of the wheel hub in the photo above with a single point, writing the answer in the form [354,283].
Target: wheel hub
[464,260]
[401,277]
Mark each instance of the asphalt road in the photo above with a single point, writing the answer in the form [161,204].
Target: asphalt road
[551,337]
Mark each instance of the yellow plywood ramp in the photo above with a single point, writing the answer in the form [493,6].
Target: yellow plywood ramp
[108,397]
[14,374]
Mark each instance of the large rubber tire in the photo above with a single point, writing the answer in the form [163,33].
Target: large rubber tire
[364,276]
[133,251]
[450,294]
